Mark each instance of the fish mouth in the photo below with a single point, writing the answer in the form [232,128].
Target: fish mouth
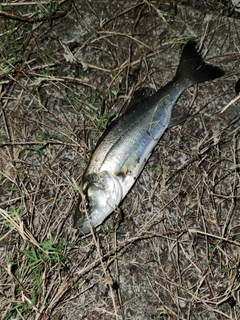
[86,225]
[82,219]
[78,216]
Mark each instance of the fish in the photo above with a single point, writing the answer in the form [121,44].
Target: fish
[126,145]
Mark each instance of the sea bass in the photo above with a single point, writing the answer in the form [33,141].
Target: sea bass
[126,145]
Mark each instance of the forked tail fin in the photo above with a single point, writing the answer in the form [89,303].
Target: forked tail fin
[192,69]
[237,87]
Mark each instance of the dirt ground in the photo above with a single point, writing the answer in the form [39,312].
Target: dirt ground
[172,249]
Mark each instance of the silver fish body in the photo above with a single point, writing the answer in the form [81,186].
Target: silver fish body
[125,148]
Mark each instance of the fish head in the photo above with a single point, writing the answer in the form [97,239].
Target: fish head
[101,193]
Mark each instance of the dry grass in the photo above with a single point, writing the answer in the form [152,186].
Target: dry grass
[175,255]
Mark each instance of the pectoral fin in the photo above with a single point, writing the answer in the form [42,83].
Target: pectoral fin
[177,118]
[129,165]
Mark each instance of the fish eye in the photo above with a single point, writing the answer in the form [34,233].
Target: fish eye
[84,205]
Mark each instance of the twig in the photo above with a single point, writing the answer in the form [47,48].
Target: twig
[14,16]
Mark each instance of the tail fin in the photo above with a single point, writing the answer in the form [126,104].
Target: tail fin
[237,87]
[192,69]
